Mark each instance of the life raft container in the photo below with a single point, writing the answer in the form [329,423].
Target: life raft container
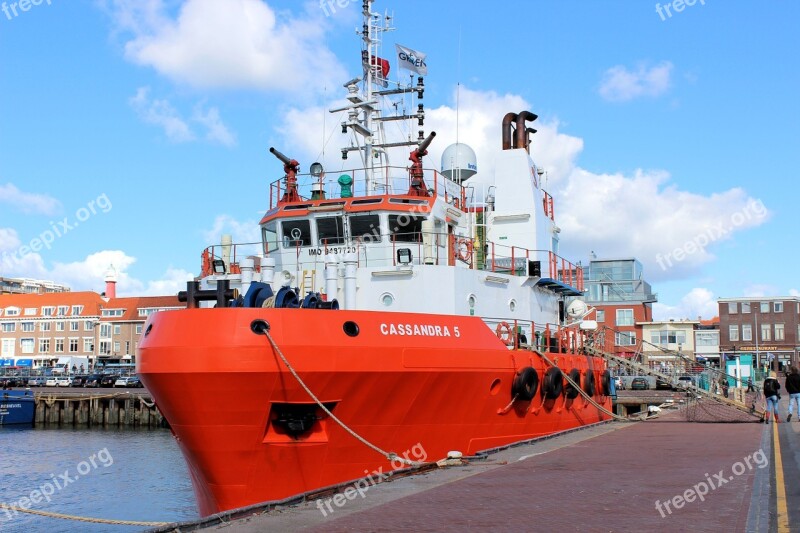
[525,384]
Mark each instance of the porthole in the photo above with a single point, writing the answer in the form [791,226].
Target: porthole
[512,305]
[387,299]
[471,301]
[350,328]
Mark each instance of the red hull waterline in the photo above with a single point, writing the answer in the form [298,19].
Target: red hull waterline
[414,384]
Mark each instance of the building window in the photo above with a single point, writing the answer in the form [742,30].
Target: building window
[44,345]
[105,330]
[765,307]
[138,329]
[48,311]
[27,345]
[9,327]
[112,312]
[62,310]
[622,338]
[747,332]
[127,347]
[778,308]
[624,317]
[88,325]
[779,335]
[30,311]
[28,327]
[733,332]
[12,311]
[73,345]
[745,307]
[116,347]
[88,345]
[59,345]
[9,346]
[732,308]
[59,326]
[766,331]
[601,315]
[44,326]
[74,325]
[707,338]
[105,347]
[117,329]
[76,310]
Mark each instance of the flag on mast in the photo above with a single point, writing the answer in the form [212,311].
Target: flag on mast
[412,60]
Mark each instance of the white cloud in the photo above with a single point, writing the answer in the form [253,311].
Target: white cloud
[172,281]
[247,231]
[9,241]
[161,113]
[621,85]
[643,215]
[699,302]
[232,44]
[31,203]
[217,131]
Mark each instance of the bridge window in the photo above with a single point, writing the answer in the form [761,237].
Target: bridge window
[269,238]
[365,228]
[330,230]
[296,233]
[406,228]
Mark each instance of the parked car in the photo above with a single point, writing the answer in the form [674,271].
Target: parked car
[663,385]
[51,382]
[639,384]
[685,381]
[108,380]
[93,380]
[128,381]
[64,381]
[36,381]
[79,380]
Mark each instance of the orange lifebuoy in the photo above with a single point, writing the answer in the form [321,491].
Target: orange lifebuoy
[464,250]
[504,333]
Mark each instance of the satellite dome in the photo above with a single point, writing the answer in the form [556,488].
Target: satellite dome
[577,309]
[459,162]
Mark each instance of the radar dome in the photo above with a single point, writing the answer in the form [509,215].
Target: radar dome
[577,309]
[459,162]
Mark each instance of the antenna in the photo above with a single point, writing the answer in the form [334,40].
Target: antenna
[458,84]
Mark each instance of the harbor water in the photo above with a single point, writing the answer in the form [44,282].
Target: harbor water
[117,474]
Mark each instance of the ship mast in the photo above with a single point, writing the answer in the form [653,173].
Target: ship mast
[367,111]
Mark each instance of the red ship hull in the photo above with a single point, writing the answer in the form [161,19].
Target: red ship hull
[413,384]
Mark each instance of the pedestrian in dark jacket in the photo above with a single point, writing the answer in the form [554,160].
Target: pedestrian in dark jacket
[793,388]
[771,388]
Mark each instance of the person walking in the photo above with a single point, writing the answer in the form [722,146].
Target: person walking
[771,388]
[793,388]
[750,387]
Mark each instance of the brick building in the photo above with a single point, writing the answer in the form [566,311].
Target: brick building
[767,328]
[37,329]
[622,299]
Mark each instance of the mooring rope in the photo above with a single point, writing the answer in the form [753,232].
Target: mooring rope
[388,455]
[82,518]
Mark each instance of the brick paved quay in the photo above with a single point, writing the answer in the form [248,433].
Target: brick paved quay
[603,478]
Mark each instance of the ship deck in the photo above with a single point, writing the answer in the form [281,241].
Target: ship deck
[607,477]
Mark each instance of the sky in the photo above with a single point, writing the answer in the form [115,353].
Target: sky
[136,132]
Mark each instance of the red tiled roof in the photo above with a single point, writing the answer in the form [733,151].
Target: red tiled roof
[91,302]
[710,322]
[134,303]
